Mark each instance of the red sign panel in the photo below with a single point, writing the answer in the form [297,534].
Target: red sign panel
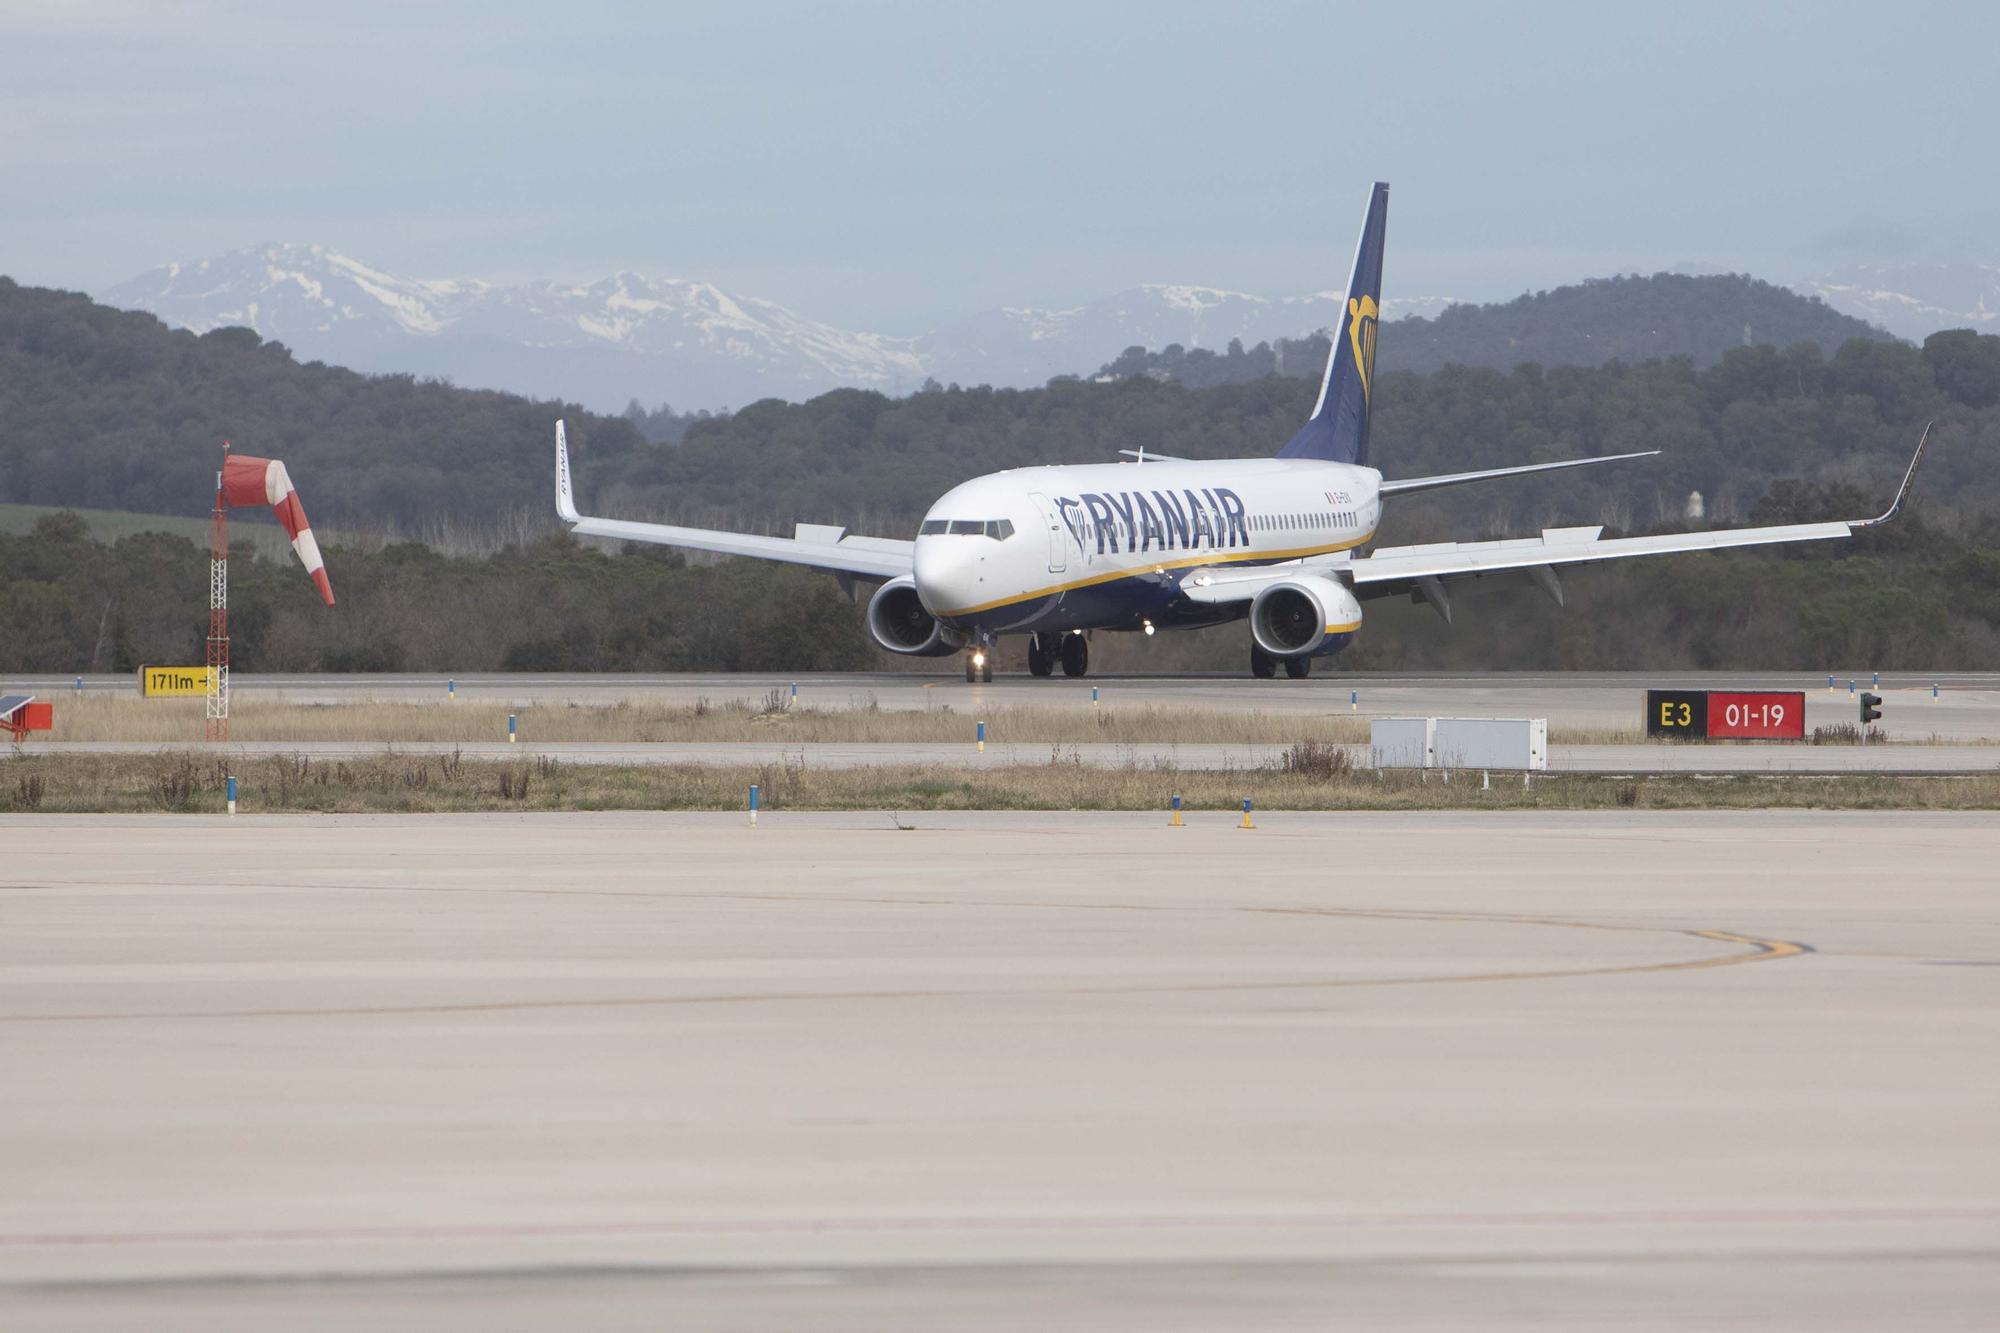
[1774,715]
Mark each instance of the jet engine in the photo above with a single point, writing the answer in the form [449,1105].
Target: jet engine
[899,622]
[1304,616]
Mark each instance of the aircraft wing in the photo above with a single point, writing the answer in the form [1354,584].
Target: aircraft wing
[1426,570]
[817,546]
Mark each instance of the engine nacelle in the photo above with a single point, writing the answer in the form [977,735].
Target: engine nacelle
[898,621]
[1304,616]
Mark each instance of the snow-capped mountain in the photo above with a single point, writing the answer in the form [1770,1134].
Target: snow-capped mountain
[1021,347]
[294,293]
[672,340]
[1914,300]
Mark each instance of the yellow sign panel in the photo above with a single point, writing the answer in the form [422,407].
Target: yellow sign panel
[165,682]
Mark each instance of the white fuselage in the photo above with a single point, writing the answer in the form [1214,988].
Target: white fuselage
[1104,546]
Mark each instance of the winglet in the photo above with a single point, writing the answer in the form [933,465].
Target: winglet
[1903,491]
[565,498]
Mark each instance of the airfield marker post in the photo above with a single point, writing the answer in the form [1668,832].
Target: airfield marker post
[511,738]
[1878,680]
[753,805]
[1093,696]
[979,738]
[795,694]
[1829,686]
[1850,689]
[1246,814]
[1354,701]
[451,689]
[232,795]
[79,684]
[1175,822]
[1934,692]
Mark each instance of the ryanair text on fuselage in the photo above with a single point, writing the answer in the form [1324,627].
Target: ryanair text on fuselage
[1210,518]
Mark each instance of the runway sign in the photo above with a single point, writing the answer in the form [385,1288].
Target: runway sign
[1771,715]
[1697,715]
[171,682]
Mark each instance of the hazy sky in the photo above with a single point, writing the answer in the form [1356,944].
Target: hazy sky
[891,165]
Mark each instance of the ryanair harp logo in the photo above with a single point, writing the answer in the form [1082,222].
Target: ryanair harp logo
[1361,314]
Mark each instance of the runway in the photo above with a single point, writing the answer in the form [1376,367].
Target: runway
[1804,759]
[1966,709]
[1000,1071]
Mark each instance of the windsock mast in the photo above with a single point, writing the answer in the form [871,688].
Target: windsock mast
[245,480]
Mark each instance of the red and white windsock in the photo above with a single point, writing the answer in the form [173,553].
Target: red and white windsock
[254,481]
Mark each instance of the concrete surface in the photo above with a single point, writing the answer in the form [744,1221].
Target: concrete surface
[1734,758]
[1968,708]
[1000,1071]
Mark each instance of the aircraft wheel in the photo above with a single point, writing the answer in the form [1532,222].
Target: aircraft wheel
[986,668]
[1298,668]
[1262,665]
[1075,655]
[1039,661]
[971,671]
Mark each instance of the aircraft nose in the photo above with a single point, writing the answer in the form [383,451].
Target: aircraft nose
[946,569]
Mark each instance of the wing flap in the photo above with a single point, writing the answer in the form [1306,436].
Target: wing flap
[1563,546]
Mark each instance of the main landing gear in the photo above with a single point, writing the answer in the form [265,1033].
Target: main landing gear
[1264,666]
[1041,661]
[1046,650]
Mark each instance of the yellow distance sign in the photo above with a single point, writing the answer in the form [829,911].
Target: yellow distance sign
[173,682]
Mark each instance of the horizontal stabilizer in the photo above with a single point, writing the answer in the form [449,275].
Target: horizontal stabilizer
[1460,478]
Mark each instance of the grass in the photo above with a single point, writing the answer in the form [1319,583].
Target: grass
[108,525]
[178,782]
[102,717]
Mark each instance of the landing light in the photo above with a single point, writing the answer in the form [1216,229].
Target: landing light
[979,659]
[1149,629]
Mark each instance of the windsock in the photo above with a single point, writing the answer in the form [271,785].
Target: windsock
[254,481]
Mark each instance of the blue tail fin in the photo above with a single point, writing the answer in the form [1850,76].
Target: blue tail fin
[1337,431]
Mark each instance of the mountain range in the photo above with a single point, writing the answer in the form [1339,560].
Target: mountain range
[689,343]
[684,342]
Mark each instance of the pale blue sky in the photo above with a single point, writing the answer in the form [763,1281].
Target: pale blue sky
[893,165]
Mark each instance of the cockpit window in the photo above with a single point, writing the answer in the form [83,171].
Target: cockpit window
[999,529]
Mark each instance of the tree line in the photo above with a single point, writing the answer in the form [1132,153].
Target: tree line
[107,409]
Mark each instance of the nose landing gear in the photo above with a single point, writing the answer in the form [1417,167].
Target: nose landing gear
[979,665]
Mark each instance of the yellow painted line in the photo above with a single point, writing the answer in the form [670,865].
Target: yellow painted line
[1760,950]
[1160,567]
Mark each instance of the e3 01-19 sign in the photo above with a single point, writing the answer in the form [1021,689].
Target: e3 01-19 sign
[1696,715]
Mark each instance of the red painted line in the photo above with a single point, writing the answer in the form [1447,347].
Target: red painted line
[816,1225]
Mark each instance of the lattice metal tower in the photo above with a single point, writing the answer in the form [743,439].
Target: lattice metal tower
[218,612]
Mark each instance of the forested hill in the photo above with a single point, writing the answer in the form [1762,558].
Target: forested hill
[1625,319]
[112,410]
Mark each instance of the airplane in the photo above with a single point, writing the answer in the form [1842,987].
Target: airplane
[1164,543]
